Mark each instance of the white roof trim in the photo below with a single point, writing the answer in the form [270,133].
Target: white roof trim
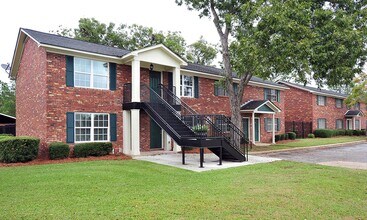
[158,46]
[251,83]
[268,103]
[7,116]
[311,91]
[360,113]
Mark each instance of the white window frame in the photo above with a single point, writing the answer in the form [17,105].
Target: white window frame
[271,125]
[341,103]
[93,127]
[182,85]
[92,74]
[355,124]
[323,98]
[318,123]
[336,123]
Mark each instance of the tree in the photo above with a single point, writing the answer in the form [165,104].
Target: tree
[7,98]
[129,37]
[201,52]
[321,40]
[359,91]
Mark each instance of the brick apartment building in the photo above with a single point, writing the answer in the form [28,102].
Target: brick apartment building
[74,91]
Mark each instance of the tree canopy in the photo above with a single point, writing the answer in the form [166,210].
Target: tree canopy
[359,90]
[300,40]
[7,98]
[133,37]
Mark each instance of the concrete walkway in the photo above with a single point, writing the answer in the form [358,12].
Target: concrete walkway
[193,161]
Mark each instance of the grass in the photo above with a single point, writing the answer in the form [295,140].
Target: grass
[309,142]
[143,190]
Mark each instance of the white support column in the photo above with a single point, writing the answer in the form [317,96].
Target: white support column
[176,147]
[253,127]
[135,132]
[354,123]
[126,134]
[273,135]
[176,80]
[135,80]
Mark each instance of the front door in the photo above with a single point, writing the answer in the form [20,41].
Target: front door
[257,129]
[349,124]
[245,125]
[155,130]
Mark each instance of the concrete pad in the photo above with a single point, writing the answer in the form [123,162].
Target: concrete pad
[346,164]
[211,161]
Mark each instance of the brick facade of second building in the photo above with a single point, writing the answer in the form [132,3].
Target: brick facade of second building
[302,106]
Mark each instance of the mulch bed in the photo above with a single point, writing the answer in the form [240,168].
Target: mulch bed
[67,160]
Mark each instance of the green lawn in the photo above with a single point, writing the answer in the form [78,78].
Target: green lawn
[309,142]
[140,190]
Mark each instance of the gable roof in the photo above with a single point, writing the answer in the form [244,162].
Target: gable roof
[352,113]
[7,119]
[316,91]
[256,105]
[219,72]
[70,43]
[66,43]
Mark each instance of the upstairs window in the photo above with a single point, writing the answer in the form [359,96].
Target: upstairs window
[339,103]
[90,73]
[219,90]
[187,86]
[357,106]
[321,100]
[272,95]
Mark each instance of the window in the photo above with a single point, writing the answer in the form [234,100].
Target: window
[187,86]
[357,106]
[272,95]
[339,103]
[91,127]
[222,124]
[356,124]
[339,124]
[321,123]
[90,73]
[269,124]
[321,100]
[219,90]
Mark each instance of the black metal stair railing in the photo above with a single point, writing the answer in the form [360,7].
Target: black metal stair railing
[221,123]
[165,111]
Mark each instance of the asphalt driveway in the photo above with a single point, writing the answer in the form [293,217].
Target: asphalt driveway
[352,156]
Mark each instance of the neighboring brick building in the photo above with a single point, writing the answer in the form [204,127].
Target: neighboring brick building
[322,108]
[73,91]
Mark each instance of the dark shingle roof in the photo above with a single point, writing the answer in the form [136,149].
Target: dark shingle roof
[6,119]
[251,105]
[70,43]
[325,91]
[353,113]
[217,71]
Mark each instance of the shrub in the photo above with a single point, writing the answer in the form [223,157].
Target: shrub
[58,150]
[349,132]
[92,149]
[277,137]
[311,136]
[291,135]
[341,132]
[18,149]
[286,137]
[325,133]
[200,128]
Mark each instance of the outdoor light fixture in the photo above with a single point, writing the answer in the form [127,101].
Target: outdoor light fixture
[151,67]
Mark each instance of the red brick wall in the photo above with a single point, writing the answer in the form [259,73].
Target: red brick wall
[31,91]
[301,105]
[298,105]
[208,103]
[62,99]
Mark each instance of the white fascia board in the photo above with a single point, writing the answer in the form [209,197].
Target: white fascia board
[172,54]
[66,51]
[217,77]
[7,116]
[270,105]
[311,91]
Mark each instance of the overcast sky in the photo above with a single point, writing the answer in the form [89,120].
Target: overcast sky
[49,15]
